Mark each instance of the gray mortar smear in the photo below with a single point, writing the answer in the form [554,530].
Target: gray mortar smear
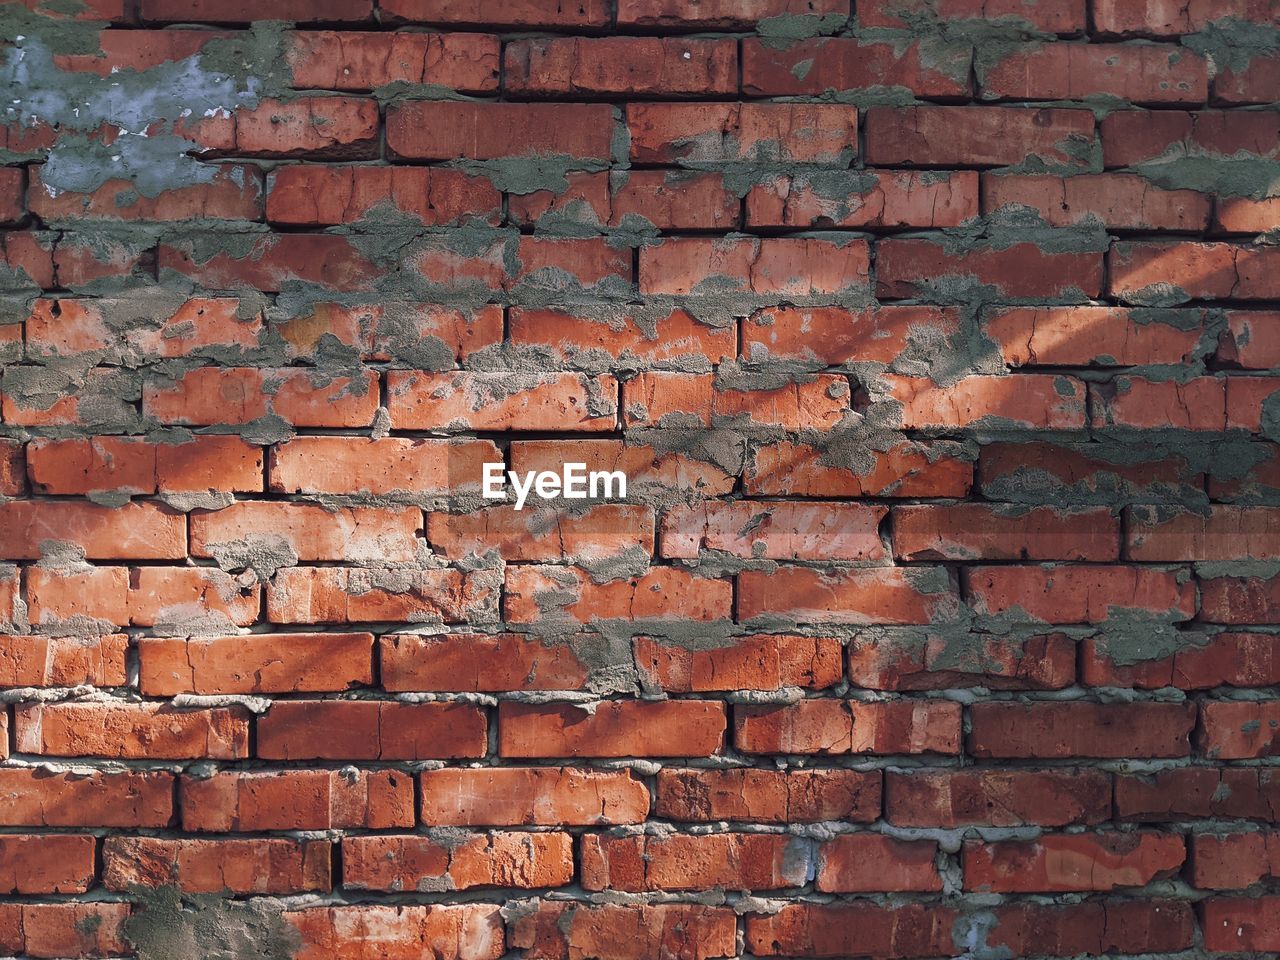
[166,924]
[144,105]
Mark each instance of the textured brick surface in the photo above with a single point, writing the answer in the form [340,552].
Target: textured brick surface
[938,341]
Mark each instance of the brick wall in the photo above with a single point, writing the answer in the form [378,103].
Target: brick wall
[938,341]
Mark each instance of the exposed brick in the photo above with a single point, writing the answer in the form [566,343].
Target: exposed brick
[856,596]
[997,798]
[46,863]
[544,796]
[339,595]
[241,11]
[63,929]
[484,401]
[764,662]
[498,859]
[1120,201]
[1148,74]
[838,726]
[1064,17]
[770,796]
[977,531]
[1240,924]
[445,129]
[550,593]
[917,661]
[1157,18]
[636,66]
[977,136]
[1234,861]
[844,929]
[261,663]
[1240,730]
[727,132]
[720,14]
[136,531]
[33,661]
[1084,594]
[453,931]
[214,866]
[613,728]
[134,731]
[1250,793]
[332,60]
[1056,730]
[305,195]
[250,801]
[733,860]
[1178,272]
[370,730]
[558,930]
[907,268]
[38,797]
[1068,862]
[1225,659]
[811,67]
[1092,336]
[1035,401]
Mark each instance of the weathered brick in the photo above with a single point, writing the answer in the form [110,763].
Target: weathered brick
[1069,862]
[370,730]
[769,796]
[977,136]
[332,60]
[445,130]
[215,866]
[750,132]
[306,195]
[997,798]
[1049,731]
[250,801]
[636,66]
[542,796]
[839,726]
[498,859]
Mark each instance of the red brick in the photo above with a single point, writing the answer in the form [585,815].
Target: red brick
[864,198]
[997,798]
[1239,730]
[570,336]
[720,14]
[1141,74]
[909,268]
[529,796]
[1178,272]
[560,930]
[310,531]
[469,662]
[635,66]
[1234,861]
[80,466]
[1198,404]
[543,534]
[137,50]
[673,400]
[813,67]
[492,401]
[501,859]
[1242,215]
[853,928]
[445,130]
[172,596]
[973,531]
[1241,924]
[909,469]
[777,531]
[1058,863]
[1247,400]
[135,531]
[404,329]
[30,255]
[133,731]
[1063,16]
[753,132]
[768,796]
[216,866]
[737,861]
[306,195]
[465,931]
[12,190]
[1119,201]
[370,730]
[1253,82]
[734,860]
[1227,533]
[1094,927]
[1093,336]
[1225,659]
[338,595]
[1088,594]
[33,661]
[80,259]
[200,326]
[835,335]
[243,11]
[869,862]
[64,929]
[46,863]
[274,261]
[215,395]
[233,192]
[772,267]
[251,801]
[643,464]
[12,616]
[1049,731]
[95,596]
[856,596]
[611,728]
[1198,793]
[389,465]
[639,199]
[766,662]
[1240,599]
[977,136]
[1026,400]
[329,60]
[549,593]
[1134,137]
[927,662]
[12,468]
[260,663]
[1162,19]
[498,13]
[38,797]
[839,726]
